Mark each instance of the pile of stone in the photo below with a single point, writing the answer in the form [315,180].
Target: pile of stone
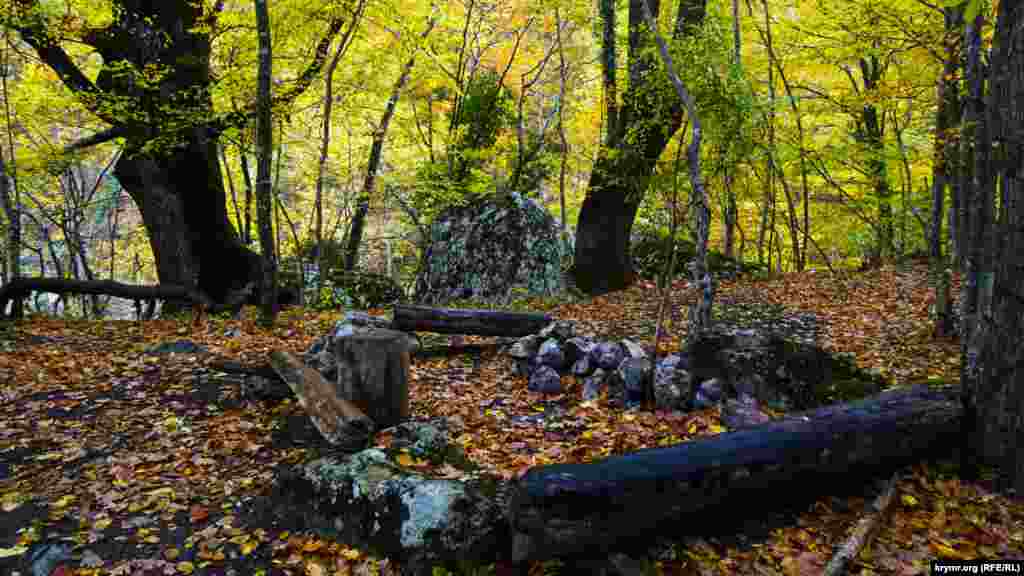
[741,370]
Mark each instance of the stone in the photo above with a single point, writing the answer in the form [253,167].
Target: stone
[545,380]
[593,385]
[607,355]
[360,318]
[672,384]
[709,393]
[582,367]
[176,347]
[490,249]
[560,329]
[551,355]
[525,347]
[577,347]
[632,349]
[634,372]
[743,412]
[424,440]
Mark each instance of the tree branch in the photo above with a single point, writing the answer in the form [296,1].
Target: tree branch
[97,138]
[35,35]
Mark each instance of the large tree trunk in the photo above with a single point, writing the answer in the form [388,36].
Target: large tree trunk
[183,205]
[170,127]
[1000,385]
[623,170]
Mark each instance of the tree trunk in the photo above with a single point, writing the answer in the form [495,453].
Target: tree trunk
[170,166]
[264,152]
[355,236]
[1000,384]
[468,321]
[623,170]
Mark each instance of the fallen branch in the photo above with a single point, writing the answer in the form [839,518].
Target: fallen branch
[863,532]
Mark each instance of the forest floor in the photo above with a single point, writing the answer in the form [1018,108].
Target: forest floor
[117,456]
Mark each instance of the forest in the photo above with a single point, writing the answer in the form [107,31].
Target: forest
[194,192]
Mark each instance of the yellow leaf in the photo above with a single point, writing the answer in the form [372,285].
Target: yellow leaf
[171,554]
[351,554]
[908,500]
[64,501]
[10,501]
[186,567]
[249,546]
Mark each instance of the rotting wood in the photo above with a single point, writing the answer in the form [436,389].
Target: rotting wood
[341,422]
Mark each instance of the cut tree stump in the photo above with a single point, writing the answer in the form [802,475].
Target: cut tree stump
[340,422]
[468,321]
[373,372]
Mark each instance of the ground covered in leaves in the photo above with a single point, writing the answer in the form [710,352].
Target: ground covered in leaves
[120,455]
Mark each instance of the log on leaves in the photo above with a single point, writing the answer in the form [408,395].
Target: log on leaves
[468,321]
[570,508]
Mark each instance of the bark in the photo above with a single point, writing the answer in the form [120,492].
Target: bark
[338,419]
[264,153]
[870,132]
[570,508]
[583,510]
[355,236]
[468,321]
[11,200]
[609,69]
[170,165]
[22,287]
[563,141]
[973,229]
[1000,386]
[623,170]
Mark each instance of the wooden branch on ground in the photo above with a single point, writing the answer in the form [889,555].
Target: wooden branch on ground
[341,422]
[863,532]
[468,321]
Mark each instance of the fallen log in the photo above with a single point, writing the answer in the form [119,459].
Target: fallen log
[569,508]
[22,287]
[578,510]
[340,421]
[468,321]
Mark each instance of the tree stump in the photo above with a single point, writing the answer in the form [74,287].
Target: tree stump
[373,373]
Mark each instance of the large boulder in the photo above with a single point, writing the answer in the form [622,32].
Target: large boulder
[487,249]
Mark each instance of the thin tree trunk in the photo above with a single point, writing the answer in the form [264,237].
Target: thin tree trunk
[363,205]
[247,176]
[608,69]
[12,205]
[700,313]
[231,186]
[563,141]
[264,151]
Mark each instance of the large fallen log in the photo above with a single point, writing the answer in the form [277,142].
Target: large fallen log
[569,508]
[576,509]
[467,321]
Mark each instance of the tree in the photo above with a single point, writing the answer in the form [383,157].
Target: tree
[645,124]
[998,375]
[264,151]
[154,89]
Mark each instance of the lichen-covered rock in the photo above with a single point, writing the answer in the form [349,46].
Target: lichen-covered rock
[593,385]
[577,348]
[632,349]
[489,248]
[368,501]
[560,329]
[545,379]
[607,355]
[634,372]
[550,354]
[525,347]
[672,384]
